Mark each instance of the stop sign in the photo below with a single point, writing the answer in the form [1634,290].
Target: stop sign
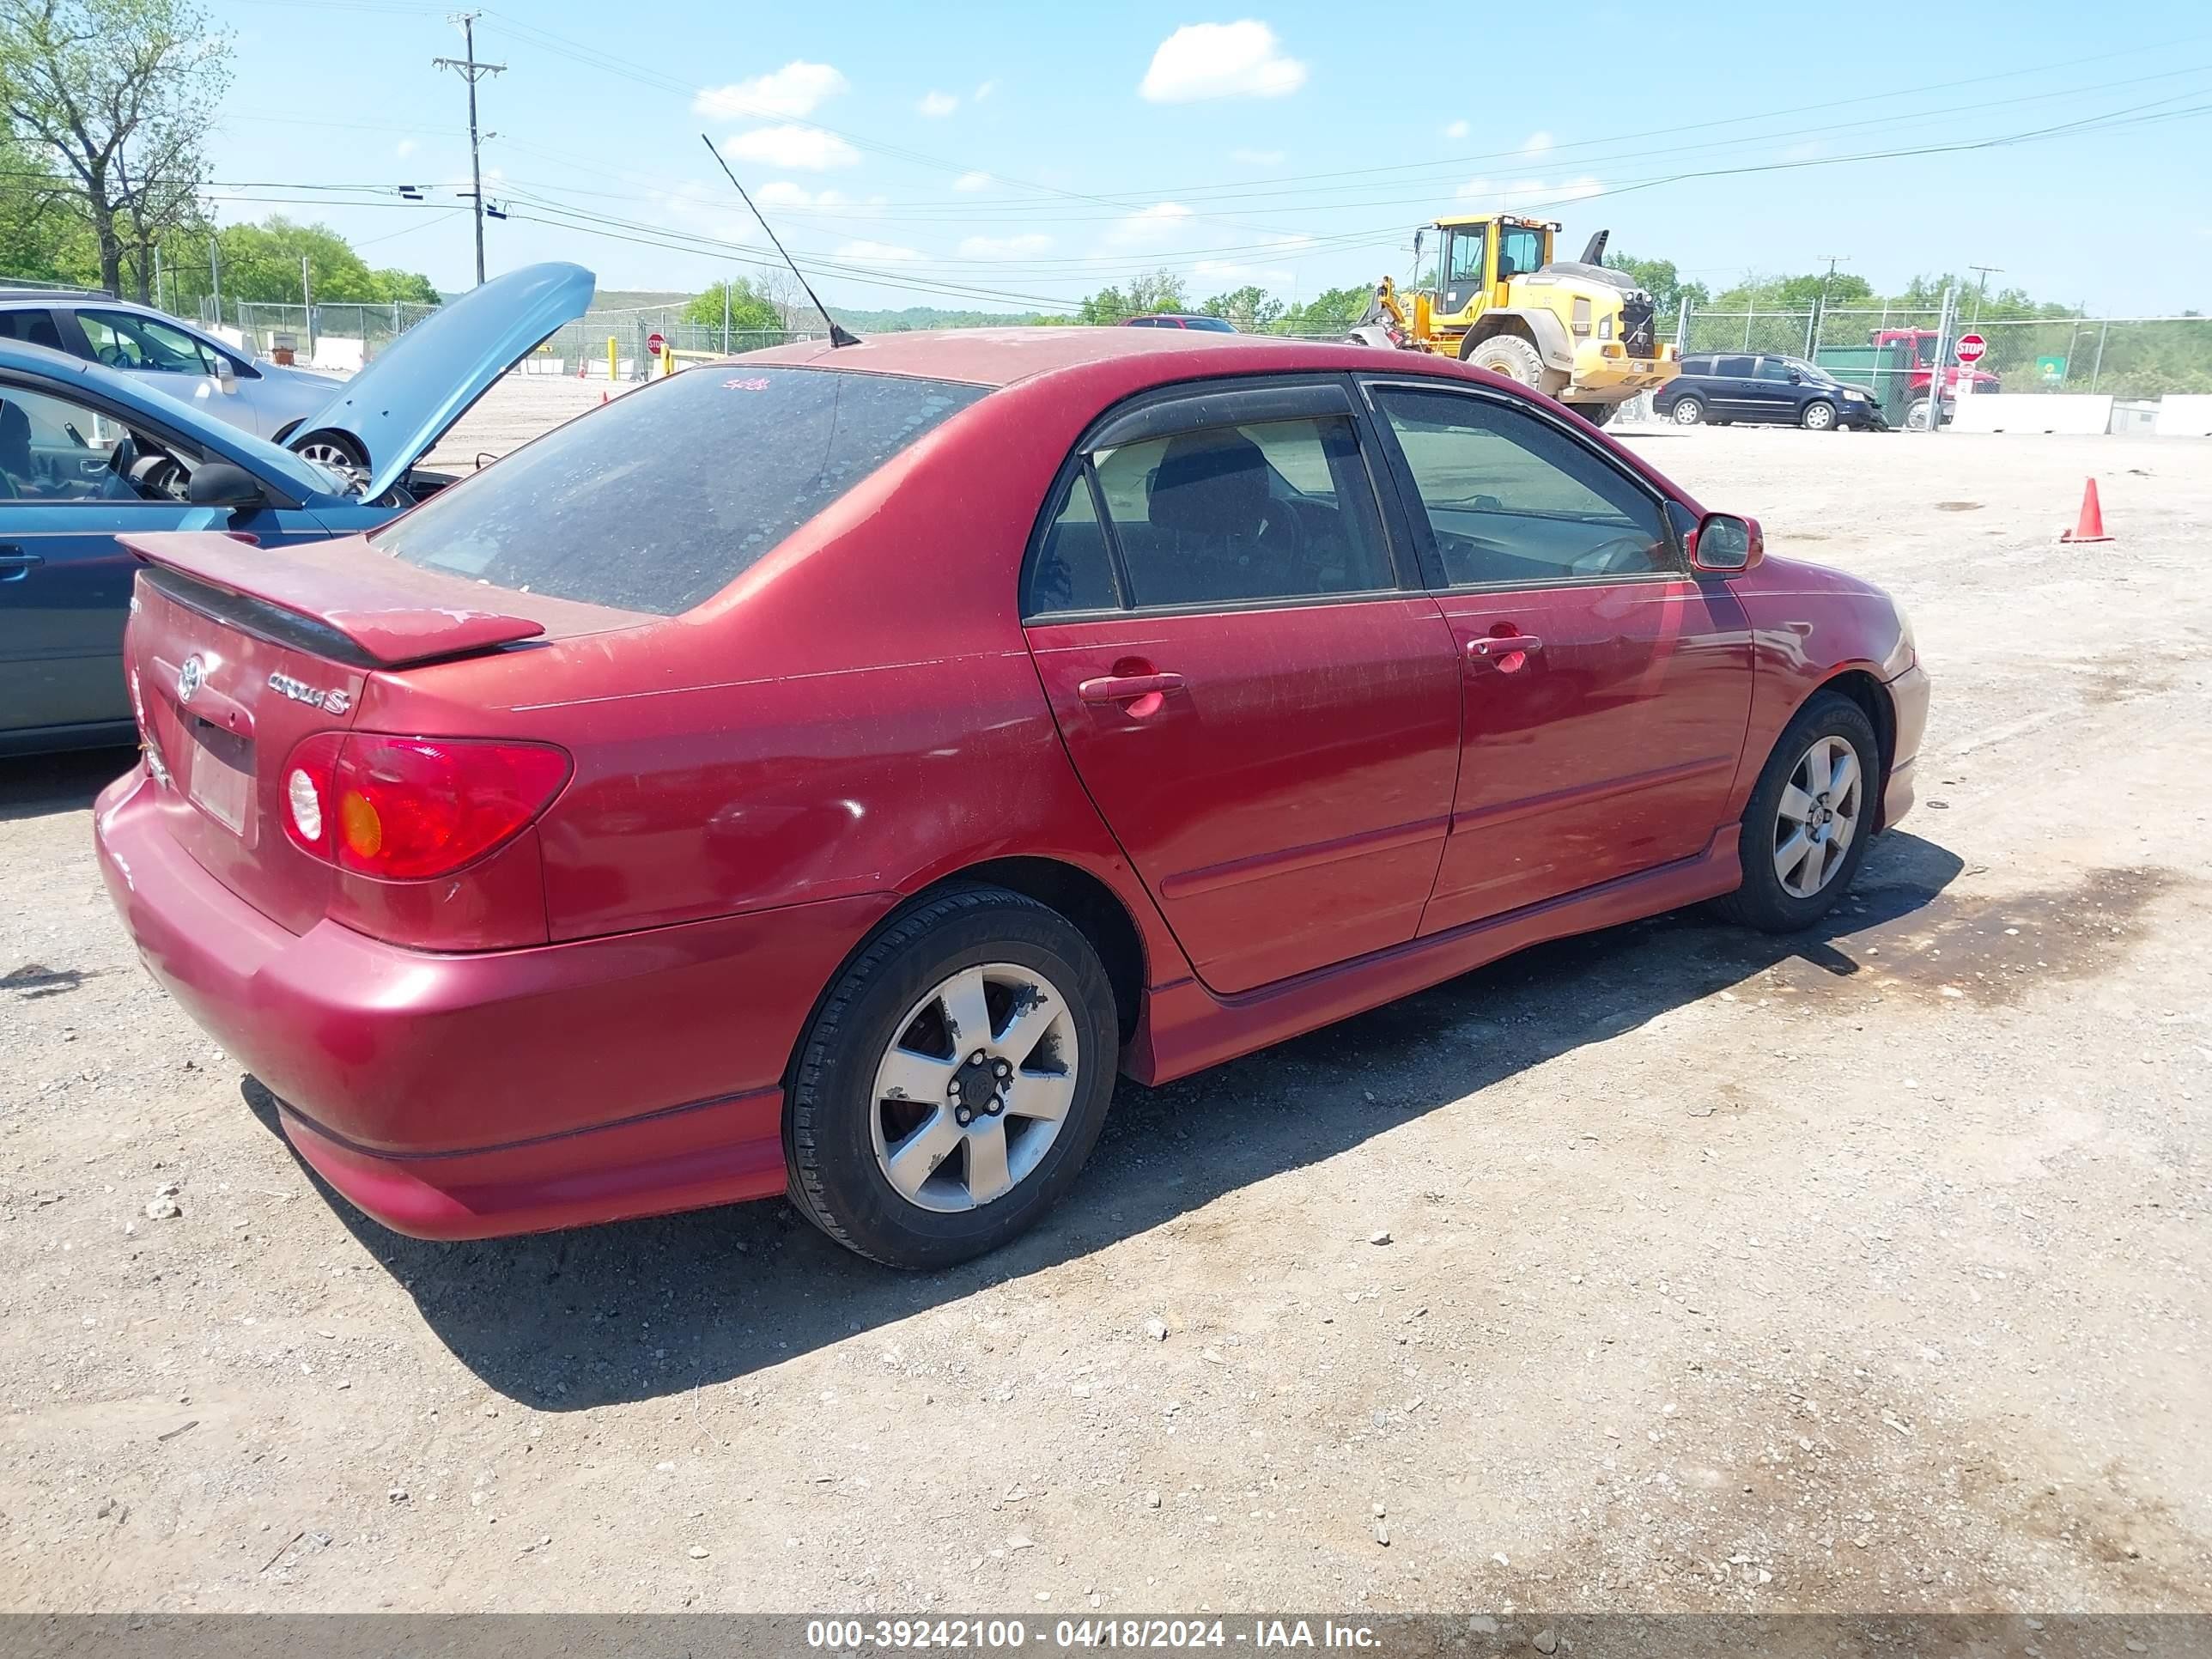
[653,342]
[1971,348]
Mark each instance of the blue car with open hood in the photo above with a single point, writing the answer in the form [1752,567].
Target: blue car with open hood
[88,454]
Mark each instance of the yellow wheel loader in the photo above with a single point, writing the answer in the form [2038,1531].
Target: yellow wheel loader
[1574,330]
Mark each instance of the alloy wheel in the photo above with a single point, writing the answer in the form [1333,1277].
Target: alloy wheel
[1818,817]
[975,1087]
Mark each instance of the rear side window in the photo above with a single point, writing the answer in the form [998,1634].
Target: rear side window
[1735,367]
[1239,514]
[32,327]
[663,498]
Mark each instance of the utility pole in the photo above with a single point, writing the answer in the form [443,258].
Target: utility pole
[1982,287]
[1820,311]
[471,71]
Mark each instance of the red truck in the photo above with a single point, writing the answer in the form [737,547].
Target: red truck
[1898,363]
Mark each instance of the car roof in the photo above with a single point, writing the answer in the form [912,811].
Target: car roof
[1001,357]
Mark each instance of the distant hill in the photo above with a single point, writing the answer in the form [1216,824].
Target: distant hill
[637,298]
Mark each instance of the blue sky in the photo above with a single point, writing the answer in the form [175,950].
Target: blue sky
[1012,155]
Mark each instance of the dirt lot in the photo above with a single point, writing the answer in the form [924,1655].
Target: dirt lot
[1668,1269]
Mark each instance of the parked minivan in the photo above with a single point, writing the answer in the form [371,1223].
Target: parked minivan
[1719,387]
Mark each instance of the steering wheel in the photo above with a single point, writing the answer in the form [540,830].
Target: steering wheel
[123,456]
[1622,553]
[114,357]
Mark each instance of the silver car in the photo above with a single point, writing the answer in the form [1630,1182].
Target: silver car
[265,398]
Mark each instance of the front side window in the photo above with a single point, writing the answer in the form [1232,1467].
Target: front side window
[53,450]
[122,340]
[1519,251]
[1464,266]
[660,500]
[1774,368]
[1269,511]
[1511,500]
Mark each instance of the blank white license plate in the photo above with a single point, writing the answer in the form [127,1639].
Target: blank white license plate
[220,790]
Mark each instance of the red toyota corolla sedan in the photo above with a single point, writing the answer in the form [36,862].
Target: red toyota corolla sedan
[823,773]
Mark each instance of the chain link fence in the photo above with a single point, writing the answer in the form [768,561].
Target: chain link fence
[340,337]
[2123,356]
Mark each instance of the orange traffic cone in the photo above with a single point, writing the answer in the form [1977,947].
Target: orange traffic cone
[2090,527]
[602,397]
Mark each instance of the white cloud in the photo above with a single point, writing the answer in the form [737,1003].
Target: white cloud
[1158,224]
[984,91]
[808,149]
[972,181]
[937,105]
[1220,60]
[1526,193]
[1456,130]
[1256,158]
[878,253]
[1003,247]
[1537,143]
[793,90]
[783,193]
[405,147]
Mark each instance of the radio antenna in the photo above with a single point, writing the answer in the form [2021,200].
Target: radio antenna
[838,336]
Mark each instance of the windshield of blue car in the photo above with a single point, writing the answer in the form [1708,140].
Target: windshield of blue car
[1812,371]
[664,497]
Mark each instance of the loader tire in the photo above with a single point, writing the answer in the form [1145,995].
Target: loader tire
[1595,414]
[1508,354]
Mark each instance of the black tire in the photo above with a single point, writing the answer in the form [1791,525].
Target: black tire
[1595,414]
[1819,415]
[1688,411]
[835,1181]
[1762,901]
[1505,354]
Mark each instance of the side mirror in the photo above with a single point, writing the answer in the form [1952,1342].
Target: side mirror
[218,483]
[1726,544]
[1795,378]
[226,372]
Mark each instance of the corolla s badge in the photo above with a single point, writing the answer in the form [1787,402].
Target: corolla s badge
[191,678]
[330,703]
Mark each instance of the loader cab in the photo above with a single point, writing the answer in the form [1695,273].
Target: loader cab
[1477,258]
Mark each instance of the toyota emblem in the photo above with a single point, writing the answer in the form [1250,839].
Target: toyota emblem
[189,677]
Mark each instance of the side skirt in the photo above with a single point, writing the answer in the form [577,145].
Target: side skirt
[1185,1028]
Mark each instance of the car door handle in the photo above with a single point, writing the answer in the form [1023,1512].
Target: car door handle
[1499,648]
[1122,687]
[14,563]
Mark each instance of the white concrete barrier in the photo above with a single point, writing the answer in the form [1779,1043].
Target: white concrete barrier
[336,354]
[2075,413]
[2184,415]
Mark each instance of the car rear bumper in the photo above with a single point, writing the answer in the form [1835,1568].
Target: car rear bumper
[469,1096]
[1908,700]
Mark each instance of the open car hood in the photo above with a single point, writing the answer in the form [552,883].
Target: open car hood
[408,398]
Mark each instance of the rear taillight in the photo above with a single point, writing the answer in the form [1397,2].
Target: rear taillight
[403,809]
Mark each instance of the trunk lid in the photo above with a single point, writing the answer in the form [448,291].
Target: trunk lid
[235,654]
[407,399]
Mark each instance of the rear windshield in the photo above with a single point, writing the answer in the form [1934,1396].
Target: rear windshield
[664,497]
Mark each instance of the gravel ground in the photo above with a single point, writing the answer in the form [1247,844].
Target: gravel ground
[1666,1269]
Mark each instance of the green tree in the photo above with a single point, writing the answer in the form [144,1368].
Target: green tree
[1249,308]
[1147,292]
[1843,288]
[262,262]
[116,94]
[1661,281]
[750,309]
[40,237]
[1333,310]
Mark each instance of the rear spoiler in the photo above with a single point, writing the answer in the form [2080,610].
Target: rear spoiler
[394,614]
